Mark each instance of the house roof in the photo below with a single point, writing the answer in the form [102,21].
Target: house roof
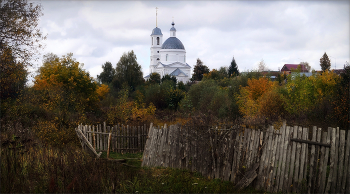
[177,72]
[289,67]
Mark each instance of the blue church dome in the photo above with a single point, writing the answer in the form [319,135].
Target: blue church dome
[156,31]
[173,43]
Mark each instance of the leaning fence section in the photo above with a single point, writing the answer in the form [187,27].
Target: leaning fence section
[123,139]
[288,159]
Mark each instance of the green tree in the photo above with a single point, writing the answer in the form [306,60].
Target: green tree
[13,76]
[128,72]
[171,78]
[325,63]
[233,69]
[108,73]
[224,71]
[19,29]
[154,78]
[199,70]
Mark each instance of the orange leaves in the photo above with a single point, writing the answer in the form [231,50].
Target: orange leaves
[102,91]
[130,112]
[259,99]
[257,87]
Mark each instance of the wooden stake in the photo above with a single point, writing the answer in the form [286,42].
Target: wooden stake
[109,143]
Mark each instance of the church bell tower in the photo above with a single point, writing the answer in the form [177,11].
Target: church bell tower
[156,45]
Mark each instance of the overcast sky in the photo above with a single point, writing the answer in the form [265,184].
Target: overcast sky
[279,32]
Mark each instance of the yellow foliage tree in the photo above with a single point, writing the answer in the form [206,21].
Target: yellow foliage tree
[65,91]
[258,99]
[102,91]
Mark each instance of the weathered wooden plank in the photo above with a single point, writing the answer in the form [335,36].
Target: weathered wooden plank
[284,158]
[314,186]
[152,147]
[109,144]
[89,134]
[176,144]
[310,142]
[105,137]
[305,178]
[100,137]
[258,146]
[249,149]
[292,163]
[336,160]
[286,185]
[227,163]
[312,160]
[162,151]
[333,160]
[279,158]
[341,160]
[330,139]
[302,159]
[345,185]
[146,152]
[245,151]
[297,163]
[215,154]
[235,155]
[239,155]
[272,163]
[263,147]
[323,164]
[86,145]
[266,171]
[255,147]
[346,179]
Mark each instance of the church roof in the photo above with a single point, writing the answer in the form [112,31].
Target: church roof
[177,72]
[156,31]
[172,29]
[173,43]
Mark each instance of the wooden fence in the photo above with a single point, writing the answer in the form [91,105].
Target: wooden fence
[123,139]
[289,159]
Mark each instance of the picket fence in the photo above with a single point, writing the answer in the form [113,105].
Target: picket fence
[289,159]
[123,139]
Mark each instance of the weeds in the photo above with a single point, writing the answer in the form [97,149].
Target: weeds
[44,169]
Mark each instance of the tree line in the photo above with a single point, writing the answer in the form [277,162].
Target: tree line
[65,95]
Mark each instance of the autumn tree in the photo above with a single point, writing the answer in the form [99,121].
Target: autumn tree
[233,69]
[108,73]
[199,70]
[154,78]
[128,72]
[19,29]
[325,63]
[64,86]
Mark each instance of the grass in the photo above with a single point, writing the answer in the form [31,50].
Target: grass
[42,169]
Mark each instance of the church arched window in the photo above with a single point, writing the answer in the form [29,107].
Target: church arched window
[166,57]
[152,40]
[157,40]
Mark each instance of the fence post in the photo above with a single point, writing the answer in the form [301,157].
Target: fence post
[109,143]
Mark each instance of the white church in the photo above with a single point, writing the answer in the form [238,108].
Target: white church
[168,57]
